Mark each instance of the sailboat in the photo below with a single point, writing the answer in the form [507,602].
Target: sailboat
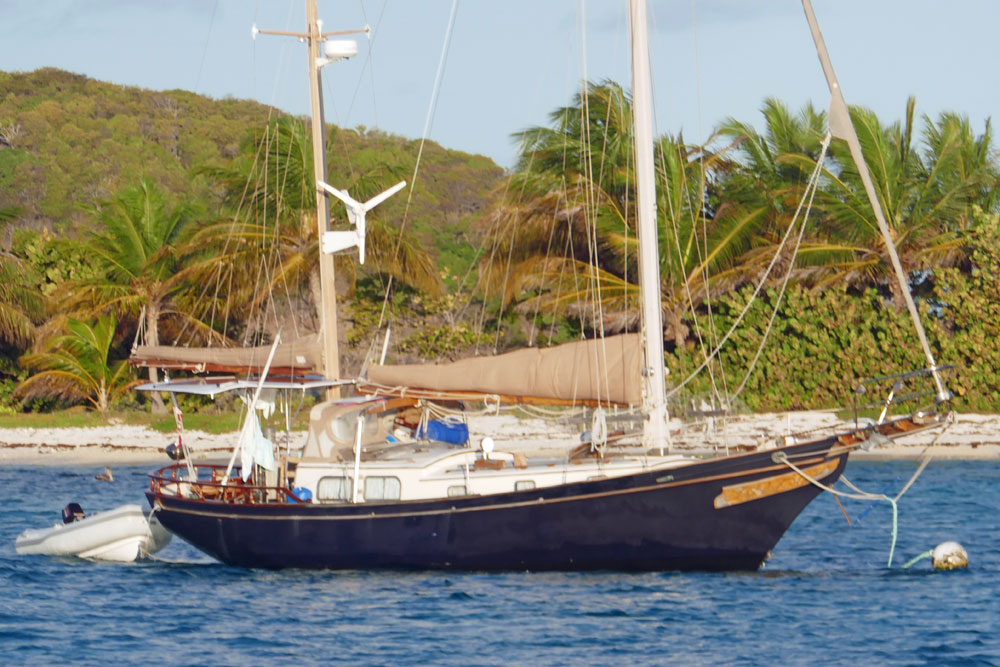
[387,479]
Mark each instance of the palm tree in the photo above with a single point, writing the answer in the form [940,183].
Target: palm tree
[926,198]
[926,195]
[139,260]
[573,211]
[763,170]
[74,366]
[21,305]
[565,213]
[768,178]
[706,245]
[965,169]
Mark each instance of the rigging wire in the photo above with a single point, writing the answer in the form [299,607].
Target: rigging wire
[497,230]
[369,66]
[263,271]
[428,123]
[559,285]
[697,213]
[545,264]
[562,205]
[713,331]
[759,287]
[510,251]
[680,266]
[218,266]
[586,165]
[811,193]
[592,201]
[702,252]
[222,282]
[497,243]
[208,40]
[525,160]
[598,296]
[569,234]
[506,281]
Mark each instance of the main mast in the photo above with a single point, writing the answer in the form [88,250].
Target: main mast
[655,399]
[328,294]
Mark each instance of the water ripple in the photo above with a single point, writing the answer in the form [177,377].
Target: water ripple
[825,596]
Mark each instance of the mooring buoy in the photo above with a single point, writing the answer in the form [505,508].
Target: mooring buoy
[949,556]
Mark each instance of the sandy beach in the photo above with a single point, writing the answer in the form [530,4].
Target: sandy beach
[972,436]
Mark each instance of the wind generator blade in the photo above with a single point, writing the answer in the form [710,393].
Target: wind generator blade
[354,207]
[378,199]
[339,194]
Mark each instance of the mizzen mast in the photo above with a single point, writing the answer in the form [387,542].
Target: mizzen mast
[654,394]
[842,127]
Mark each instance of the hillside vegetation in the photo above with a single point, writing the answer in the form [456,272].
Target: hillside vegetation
[68,141]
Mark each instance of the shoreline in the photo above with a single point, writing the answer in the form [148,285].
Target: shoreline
[111,445]
[972,437]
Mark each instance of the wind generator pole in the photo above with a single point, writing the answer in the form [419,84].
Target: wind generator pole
[654,397]
[328,300]
[842,127]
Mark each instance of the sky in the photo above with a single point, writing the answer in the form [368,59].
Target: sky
[509,64]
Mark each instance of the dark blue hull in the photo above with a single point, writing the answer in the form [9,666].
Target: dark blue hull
[658,520]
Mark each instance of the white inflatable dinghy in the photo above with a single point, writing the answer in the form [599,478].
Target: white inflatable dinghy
[122,534]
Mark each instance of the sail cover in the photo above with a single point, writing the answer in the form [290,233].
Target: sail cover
[601,369]
[301,355]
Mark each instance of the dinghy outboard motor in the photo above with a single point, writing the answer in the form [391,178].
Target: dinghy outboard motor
[72,512]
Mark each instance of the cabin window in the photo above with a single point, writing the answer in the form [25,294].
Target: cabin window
[382,488]
[524,485]
[596,477]
[334,488]
[457,490]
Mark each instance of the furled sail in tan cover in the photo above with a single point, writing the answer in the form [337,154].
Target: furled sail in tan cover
[603,370]
[301,355]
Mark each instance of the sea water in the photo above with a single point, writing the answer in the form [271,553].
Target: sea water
[826,595]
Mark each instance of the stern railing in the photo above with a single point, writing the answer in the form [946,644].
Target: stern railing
[175,481]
